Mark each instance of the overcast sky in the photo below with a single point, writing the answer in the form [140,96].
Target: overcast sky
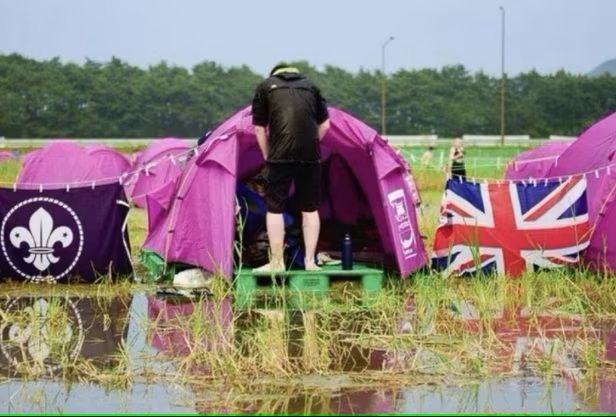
[547,35]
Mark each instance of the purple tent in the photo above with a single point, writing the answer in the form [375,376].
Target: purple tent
[161,168]
[110,160]
[64,161]
[368,189]
[592,153]
[535,163]
[7,155]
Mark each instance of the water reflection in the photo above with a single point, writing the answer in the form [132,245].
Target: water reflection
[598,390]
[342,401]
[607,382]
[321,363]
[61,335]
[524,341]
[183,326]
[179,326]
[75,354]
[528,395]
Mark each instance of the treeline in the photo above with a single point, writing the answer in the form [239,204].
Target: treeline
[51,99]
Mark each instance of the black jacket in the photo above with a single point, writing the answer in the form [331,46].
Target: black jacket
[292,107]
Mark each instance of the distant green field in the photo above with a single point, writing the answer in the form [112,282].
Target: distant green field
[481,162]
[475,155]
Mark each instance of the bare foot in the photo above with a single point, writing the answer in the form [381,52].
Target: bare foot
[311,266]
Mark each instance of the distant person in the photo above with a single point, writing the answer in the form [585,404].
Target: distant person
[456,157]
[293,109]
[426,158]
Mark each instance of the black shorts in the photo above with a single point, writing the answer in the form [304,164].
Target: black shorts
[307,181]
[458,170]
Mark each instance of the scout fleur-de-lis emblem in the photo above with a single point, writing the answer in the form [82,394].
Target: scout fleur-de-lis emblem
[41,238]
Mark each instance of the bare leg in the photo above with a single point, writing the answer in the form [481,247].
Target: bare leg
[275,233]
[311,224]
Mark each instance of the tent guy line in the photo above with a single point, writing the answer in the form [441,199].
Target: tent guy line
[178,158]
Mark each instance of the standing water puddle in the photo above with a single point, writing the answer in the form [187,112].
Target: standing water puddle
[148,354]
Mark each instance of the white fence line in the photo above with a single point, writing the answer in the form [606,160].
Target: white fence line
[479,140]
[469,140]
[563,138]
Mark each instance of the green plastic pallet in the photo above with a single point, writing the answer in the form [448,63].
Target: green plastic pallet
[302,285]
[156,267]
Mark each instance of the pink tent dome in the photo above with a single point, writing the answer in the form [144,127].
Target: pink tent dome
[156,166]
[64,161]
[594,153]
[535,163]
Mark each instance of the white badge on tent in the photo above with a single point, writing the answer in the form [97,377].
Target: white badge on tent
[534,182]
[15,187]
[68,187]
[40,188]
[597,174]
[93,184]
[545,183]
[120,180]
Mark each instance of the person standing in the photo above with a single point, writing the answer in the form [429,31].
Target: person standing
[290,117]
[456,157]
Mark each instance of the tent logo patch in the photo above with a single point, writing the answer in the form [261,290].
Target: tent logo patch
[41,237]
[397,203]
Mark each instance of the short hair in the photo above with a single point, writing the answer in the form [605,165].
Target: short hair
[278,66]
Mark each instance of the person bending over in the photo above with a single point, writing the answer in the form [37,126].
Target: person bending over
[290,117]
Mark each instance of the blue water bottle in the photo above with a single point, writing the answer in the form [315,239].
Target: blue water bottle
[347,253]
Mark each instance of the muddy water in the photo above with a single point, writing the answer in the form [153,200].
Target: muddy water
[35,378]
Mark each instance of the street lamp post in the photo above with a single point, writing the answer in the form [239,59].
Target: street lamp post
[502,104]
[383,129]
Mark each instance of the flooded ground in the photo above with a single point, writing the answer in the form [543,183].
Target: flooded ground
[143,352]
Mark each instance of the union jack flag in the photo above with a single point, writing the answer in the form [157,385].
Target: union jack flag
[511,228]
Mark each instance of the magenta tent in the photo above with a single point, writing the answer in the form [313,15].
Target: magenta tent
[157,165]
[593,154]
[535,163]
[63,161]
[4,155]
[368,190]
[110,160]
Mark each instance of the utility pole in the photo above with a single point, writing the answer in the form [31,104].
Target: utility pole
[502,104]
[383,123]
